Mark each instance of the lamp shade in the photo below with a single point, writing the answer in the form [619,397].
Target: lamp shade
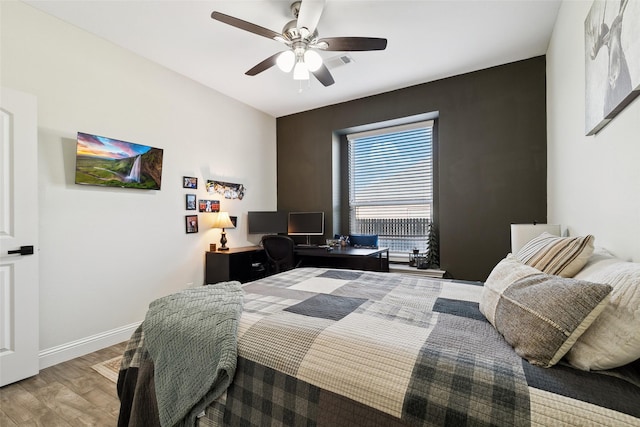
[300,71]
[286,60]
[521,234]
[313,60]
[222,220]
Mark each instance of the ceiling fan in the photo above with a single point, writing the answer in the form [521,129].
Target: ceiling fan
[301,37]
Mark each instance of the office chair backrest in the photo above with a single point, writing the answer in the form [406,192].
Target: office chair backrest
[279,250]
[364,240]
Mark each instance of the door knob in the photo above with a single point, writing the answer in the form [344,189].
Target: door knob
[24,250]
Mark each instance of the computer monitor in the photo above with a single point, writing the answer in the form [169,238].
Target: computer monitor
[267,222]
[306,224]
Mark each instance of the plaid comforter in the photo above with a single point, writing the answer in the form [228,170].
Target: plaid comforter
[348,348]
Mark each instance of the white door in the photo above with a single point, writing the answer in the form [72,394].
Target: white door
[19,305]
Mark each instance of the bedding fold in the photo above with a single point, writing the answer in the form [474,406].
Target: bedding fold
[188,372]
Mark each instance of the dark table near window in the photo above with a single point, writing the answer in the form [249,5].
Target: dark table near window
[370,259]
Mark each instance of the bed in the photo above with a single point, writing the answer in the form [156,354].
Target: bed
[329,347]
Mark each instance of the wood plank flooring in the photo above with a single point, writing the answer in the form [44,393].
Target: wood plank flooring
[68,394]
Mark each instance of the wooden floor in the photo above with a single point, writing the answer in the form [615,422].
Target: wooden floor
[68,394]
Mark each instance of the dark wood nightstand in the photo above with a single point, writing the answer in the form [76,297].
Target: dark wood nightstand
[242,264]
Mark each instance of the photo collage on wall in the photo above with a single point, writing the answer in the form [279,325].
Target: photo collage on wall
[193,204]
[227,189]
[209,205]
[190,221]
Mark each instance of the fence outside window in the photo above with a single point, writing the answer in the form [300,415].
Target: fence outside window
[400,235]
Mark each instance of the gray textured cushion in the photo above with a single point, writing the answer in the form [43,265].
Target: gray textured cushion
[540,315]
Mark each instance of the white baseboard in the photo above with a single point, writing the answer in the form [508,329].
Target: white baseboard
[62,353]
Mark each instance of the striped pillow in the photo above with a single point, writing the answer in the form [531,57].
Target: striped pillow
[560,256]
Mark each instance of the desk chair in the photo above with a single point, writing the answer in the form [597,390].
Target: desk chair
[364,240]
[279,251]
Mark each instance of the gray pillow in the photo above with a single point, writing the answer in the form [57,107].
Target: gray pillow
[541,316]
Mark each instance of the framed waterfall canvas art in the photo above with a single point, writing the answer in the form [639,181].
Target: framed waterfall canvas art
[612,60]
[110,162]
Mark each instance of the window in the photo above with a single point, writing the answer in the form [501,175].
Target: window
[391,185]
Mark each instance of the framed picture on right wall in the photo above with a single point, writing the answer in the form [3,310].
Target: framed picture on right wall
[612,60]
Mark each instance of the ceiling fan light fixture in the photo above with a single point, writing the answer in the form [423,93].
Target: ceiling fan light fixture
[300,71]
[300,35]
[286,60]
[313,60]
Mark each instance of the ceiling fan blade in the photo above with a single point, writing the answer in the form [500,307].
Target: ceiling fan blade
[264,65]
[247,26]
[351,43]
[323,75]
[309,14]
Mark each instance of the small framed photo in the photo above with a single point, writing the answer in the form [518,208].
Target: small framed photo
[189,182]
[191,223]
[209,205]
[234,221]
[191,202]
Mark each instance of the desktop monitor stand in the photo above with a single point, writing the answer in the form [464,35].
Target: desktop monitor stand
[306,245]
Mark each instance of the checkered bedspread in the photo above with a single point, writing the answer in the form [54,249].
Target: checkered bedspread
[350,348]
[346,348]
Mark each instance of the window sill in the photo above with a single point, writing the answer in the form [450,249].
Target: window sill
[406,269]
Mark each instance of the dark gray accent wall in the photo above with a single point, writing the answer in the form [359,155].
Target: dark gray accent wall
[491,157]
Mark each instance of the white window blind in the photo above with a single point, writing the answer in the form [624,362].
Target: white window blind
[391,184]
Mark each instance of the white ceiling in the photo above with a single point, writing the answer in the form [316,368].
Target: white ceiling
[427,40]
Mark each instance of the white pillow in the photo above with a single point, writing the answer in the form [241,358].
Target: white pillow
[613,339]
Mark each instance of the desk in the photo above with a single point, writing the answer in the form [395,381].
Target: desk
[234,264]
[344,257]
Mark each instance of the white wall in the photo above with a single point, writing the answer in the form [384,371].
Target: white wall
[106,253]
[593,181]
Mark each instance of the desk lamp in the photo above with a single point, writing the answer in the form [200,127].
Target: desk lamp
[222,220]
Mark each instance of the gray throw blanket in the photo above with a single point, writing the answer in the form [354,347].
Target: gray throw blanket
[191,337]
